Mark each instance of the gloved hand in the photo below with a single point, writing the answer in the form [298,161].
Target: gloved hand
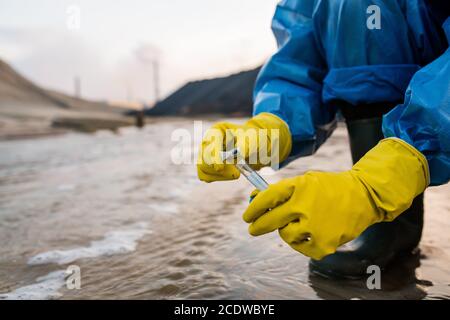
[317,212]
[210,166]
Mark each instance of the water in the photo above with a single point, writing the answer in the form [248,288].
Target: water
[141,227]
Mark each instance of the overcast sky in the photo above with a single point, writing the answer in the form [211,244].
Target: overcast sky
[192,39]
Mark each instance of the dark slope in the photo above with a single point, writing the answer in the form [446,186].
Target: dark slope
[230,95]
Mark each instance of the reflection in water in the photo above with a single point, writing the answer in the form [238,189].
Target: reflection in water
[398,281]
[76,198]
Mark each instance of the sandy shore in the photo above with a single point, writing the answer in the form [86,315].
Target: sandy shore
[28,110]
[140,227]
[23,120]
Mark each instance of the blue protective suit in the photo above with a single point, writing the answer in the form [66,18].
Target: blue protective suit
[327,54]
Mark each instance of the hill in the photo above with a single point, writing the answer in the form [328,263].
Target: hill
[231,95]
[27,109]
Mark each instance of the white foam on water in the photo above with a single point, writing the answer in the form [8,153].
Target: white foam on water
[115,242]
[46,287]
[168,208]
[66,187]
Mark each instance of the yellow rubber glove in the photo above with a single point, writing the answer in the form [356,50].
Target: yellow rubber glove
[319,211]
[248,138]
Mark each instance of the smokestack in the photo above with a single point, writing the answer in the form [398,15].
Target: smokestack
[129,94]
[155,64]
[77,86]
[149,56]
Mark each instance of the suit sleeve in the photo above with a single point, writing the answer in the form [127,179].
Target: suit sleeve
[290,83]
[423,120]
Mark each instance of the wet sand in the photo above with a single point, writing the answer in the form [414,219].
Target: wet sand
[140,227]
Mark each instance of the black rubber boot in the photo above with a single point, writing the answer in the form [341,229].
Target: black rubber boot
[380,243]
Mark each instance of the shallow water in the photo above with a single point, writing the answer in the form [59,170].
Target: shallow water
[139,226]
